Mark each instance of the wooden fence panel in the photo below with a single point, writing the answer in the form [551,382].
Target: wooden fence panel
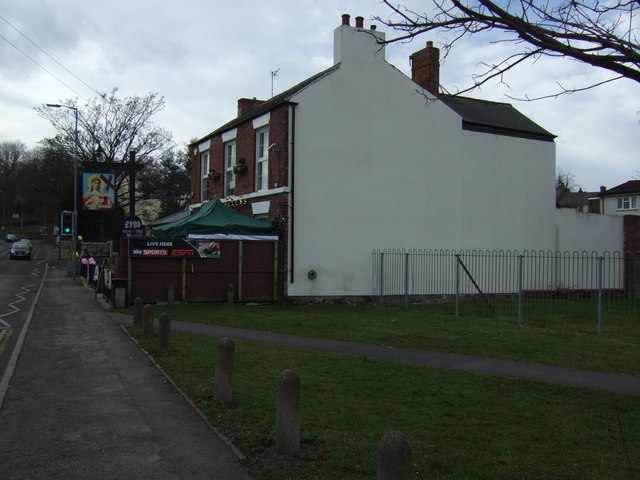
[250,266]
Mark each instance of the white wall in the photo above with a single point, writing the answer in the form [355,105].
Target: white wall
[378,165]
[588,232]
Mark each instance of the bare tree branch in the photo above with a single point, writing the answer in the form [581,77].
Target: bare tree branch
[596,32]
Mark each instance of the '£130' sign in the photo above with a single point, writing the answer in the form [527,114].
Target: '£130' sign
[132,227]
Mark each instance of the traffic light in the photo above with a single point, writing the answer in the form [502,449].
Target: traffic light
[66,223]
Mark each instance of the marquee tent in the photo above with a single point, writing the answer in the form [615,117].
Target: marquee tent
[215,220]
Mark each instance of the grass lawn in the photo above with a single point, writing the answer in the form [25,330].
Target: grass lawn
[494,337]
[461,425]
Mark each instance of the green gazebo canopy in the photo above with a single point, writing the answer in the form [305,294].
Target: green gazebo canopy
[215,219]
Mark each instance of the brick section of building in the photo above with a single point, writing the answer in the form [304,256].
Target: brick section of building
[246,150]
[632,233]
[245,183]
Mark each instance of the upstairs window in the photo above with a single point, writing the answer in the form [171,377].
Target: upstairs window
[204,171]
[627,203]
[229,162]
[262,159]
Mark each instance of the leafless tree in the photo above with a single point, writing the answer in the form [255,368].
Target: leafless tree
[109,128]
[116,125]
[566,177]
[11,153]
[600,33]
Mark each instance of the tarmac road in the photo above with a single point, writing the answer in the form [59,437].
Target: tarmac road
[84,402]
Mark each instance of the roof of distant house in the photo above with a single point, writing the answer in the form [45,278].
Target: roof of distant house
[574,199]
[632,186]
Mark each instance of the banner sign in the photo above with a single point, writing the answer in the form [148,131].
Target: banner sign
[107,278]
[173,248]
[100,191]
[96,249]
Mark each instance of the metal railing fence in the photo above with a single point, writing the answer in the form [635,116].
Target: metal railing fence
[585,291]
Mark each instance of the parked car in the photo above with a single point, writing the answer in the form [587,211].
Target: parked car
[20,249]
[10,237]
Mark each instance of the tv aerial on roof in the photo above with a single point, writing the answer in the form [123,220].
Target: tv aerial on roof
[274,76]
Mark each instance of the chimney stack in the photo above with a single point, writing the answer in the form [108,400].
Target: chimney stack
[425,68]
[357,43]
[245,104]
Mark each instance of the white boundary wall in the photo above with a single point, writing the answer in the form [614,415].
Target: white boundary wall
[588,232]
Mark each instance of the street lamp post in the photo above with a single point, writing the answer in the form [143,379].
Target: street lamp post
[71,266]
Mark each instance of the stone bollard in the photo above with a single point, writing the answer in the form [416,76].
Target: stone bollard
[164,331]
[230,293]
[147,320]
[170,295]
[288,413]
[138,305]
[223,376]
[394,457]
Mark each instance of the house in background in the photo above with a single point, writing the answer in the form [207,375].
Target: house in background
[361,157]
[578,201]
[623,199]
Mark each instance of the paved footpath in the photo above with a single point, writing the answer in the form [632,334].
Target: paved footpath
[85,403]
[618,383]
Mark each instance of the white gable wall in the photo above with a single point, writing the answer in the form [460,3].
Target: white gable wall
[377,165]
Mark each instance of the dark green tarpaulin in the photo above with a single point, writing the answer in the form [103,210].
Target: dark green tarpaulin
[214,217]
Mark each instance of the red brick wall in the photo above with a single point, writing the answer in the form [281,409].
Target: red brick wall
[632,233]
[246,148]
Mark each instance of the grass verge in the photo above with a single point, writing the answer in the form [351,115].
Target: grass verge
[462,426]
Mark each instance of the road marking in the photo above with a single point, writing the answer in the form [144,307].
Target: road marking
[24,290]
[11,366]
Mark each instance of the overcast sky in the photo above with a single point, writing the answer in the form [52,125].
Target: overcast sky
[202,55]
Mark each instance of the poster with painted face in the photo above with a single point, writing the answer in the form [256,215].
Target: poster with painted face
[99,191]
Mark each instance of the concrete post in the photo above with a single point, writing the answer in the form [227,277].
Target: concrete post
[394,457]
[138,305]
[170,295]
[223,376]
[147,320]
[288,413]
[164,331]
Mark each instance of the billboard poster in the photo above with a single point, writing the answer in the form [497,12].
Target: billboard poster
[173,248]
[96,249]
[99,191]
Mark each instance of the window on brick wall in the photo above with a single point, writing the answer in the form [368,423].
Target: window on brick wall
[262,159]
[204,171]
[627,203]
[229,162]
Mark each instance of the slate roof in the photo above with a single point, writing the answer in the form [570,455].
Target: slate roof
[495,117]
[632,186]
[268,105]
